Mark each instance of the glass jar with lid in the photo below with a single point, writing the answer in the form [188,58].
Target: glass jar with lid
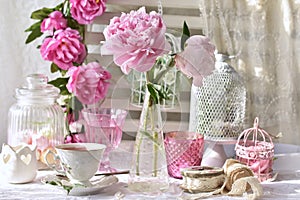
[36,118]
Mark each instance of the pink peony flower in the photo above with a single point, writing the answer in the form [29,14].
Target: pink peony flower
[84,12]
[64,49]
[55,21]
[197,59]
[88,82]
[136,39]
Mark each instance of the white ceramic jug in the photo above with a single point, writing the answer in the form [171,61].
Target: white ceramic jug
[18,163]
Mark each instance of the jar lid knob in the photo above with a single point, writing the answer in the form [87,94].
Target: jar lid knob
[36,80]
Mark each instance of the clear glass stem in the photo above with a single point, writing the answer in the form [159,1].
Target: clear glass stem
[105,162]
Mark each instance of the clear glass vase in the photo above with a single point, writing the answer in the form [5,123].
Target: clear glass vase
[148,173]
[169,84]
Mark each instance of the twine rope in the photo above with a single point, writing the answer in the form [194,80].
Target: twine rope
[194,185]
[238,180]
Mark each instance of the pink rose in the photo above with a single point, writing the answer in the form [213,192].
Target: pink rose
[40,141]
[136,39]
[197,60]
[75,138]
[88,82]
[55,21]
[64,49]
[84,12]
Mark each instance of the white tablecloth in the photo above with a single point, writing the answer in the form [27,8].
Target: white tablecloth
[286,186]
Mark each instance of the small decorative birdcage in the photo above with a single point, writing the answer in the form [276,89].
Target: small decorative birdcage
[220,103]
[255,148]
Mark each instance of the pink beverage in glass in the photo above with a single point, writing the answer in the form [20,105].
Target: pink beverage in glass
[183,149]
[104,126]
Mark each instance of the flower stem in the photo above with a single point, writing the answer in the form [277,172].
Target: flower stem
[155,138]
[148,120]
[144,117]
[155,147]
[138,155]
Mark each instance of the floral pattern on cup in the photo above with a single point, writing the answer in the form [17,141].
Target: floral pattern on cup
[78,161]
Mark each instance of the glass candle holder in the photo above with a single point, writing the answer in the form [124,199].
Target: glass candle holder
[183,150]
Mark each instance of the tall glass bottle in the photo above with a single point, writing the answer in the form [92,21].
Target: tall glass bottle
[148,173]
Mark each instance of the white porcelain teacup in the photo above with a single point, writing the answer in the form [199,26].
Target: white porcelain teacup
[78,161]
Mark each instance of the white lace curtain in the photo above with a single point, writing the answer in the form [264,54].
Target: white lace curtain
[264,38]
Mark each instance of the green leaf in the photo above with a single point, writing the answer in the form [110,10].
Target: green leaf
[153,93]
[54,68]
[75,25]
[64,91]
[172,62]
[59,82]
[41,13]
[67,188]
[185,34]
[72,23]
[34,26]
[75,104]
[161,67]
[59,7]
[161,92]
[33,35]
[44,12]
[52,183]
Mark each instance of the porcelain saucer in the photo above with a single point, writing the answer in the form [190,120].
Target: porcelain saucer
[75,189]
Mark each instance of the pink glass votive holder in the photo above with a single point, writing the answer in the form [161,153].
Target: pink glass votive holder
[183,149]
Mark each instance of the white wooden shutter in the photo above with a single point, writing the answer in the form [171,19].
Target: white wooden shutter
[175,12]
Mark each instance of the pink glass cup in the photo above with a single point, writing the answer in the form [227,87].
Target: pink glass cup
[183,149]
[104,126]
